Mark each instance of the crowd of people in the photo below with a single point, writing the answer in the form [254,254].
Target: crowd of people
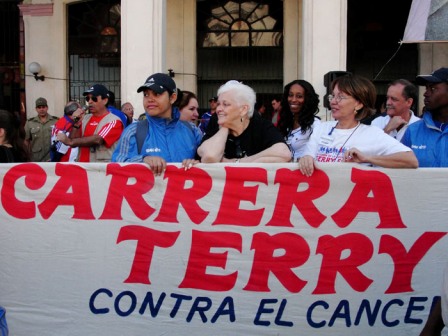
[237,128]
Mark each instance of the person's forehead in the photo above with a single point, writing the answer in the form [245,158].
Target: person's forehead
[226,95]
[148,90]
[396,88]
[438,85]
[336,89]
[296,88]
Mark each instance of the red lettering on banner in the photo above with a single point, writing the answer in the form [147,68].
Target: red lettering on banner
[288,195]
[383,201]
[201,257]
[360,250]
[176,194]
[74,178]
[147,239]
[295,253]
[119,190]
[235,191]
[405,262]
[34,177]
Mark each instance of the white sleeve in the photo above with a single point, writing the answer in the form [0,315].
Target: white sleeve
[313,142]
[379,122]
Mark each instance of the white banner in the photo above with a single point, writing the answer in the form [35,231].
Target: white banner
[96,249]
[427,22]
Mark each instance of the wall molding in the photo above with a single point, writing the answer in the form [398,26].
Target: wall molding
[37,9]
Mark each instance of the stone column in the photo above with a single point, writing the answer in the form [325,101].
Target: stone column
[143,51]
[320,42]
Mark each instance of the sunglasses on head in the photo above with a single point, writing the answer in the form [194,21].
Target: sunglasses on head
[94,99]
[70,109]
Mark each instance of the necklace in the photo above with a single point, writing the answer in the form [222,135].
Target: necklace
[345,142]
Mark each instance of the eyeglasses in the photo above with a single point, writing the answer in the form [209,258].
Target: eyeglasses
[338,98]
[94,99]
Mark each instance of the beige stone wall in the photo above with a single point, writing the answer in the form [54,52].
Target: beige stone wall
[323,36]
[143,46]
[181,43]
[46,43]
[158,35]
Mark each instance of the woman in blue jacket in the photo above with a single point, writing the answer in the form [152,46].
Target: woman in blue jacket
[162,137]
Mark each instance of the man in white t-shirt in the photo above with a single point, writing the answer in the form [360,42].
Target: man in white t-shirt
[401,97]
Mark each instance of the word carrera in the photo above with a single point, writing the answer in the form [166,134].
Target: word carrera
[372,192]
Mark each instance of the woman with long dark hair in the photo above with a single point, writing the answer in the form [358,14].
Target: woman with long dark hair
[12,148]
[298,115]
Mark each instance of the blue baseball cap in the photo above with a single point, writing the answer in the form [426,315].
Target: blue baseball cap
[159,83]
[438,76]
[97,90]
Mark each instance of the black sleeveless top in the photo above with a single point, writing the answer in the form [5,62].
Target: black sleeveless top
[9,154]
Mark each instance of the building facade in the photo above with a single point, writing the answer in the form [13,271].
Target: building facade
[201,43]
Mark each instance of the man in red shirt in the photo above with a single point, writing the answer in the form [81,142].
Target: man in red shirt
[96,133]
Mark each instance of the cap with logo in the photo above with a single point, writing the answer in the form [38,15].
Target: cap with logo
[438,76]
[41,102]
[97,90]
[159,83]
[213,99]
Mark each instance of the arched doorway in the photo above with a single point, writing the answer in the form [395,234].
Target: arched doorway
[240,40]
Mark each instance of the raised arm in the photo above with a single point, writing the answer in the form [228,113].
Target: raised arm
[396,160]
[278,152]
[92,140]
[212,149]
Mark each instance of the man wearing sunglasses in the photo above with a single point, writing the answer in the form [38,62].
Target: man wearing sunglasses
[96,133]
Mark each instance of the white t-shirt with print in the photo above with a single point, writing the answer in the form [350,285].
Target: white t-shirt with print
[297,141]
[328,144]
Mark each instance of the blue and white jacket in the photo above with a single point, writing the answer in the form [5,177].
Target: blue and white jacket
[174,140]
[429,142]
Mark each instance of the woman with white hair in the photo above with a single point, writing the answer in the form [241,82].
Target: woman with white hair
[238,134]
